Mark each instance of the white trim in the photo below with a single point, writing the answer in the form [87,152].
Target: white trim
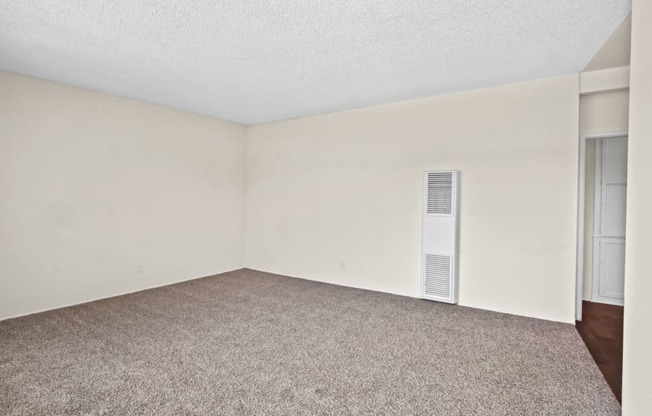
[597,218]
[611,79]
[579,270]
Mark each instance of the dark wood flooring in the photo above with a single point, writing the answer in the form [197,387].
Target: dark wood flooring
[601,329]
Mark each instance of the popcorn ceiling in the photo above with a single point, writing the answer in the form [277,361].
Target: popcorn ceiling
[256,61]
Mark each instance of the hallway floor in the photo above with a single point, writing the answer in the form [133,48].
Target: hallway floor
[601,329]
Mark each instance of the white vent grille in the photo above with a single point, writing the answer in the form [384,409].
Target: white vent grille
[441,215]
[440,193]
[438,276]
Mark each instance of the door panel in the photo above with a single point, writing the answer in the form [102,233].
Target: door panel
[614,208]
[614,153]
[609,230]
[612,269]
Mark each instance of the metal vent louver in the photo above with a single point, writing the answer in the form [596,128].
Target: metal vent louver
[440,193]
[438,276]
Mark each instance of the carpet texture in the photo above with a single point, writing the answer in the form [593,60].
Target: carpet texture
[252,343]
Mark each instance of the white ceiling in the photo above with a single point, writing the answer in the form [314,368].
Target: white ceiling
[253,61]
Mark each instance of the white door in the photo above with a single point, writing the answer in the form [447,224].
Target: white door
[609,227]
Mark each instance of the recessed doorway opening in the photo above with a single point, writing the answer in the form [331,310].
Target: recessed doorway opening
[601,251]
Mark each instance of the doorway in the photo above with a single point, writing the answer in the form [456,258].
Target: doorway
[607,274]
[601,251]
[601,238]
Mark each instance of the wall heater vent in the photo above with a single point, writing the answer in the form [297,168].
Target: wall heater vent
[437,282]
[440,236]
[440,192]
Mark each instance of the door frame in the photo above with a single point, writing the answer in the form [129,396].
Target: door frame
[579,269]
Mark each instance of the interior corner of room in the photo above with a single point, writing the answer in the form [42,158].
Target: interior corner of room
[123,218]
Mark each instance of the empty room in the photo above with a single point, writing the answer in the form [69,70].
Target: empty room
[325,208]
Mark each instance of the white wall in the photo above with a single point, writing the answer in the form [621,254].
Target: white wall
[615,51]
[637,358]
[101,195]
[337,197]
[606,112]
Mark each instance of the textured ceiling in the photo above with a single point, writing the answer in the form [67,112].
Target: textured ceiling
[252,61]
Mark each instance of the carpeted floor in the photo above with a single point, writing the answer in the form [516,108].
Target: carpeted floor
[253,343]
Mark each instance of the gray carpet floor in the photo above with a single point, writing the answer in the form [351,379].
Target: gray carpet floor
[252,343]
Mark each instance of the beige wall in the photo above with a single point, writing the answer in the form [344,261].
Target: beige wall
[101,195]
[637,360]
[337,197]
[615,51]
[606,112]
